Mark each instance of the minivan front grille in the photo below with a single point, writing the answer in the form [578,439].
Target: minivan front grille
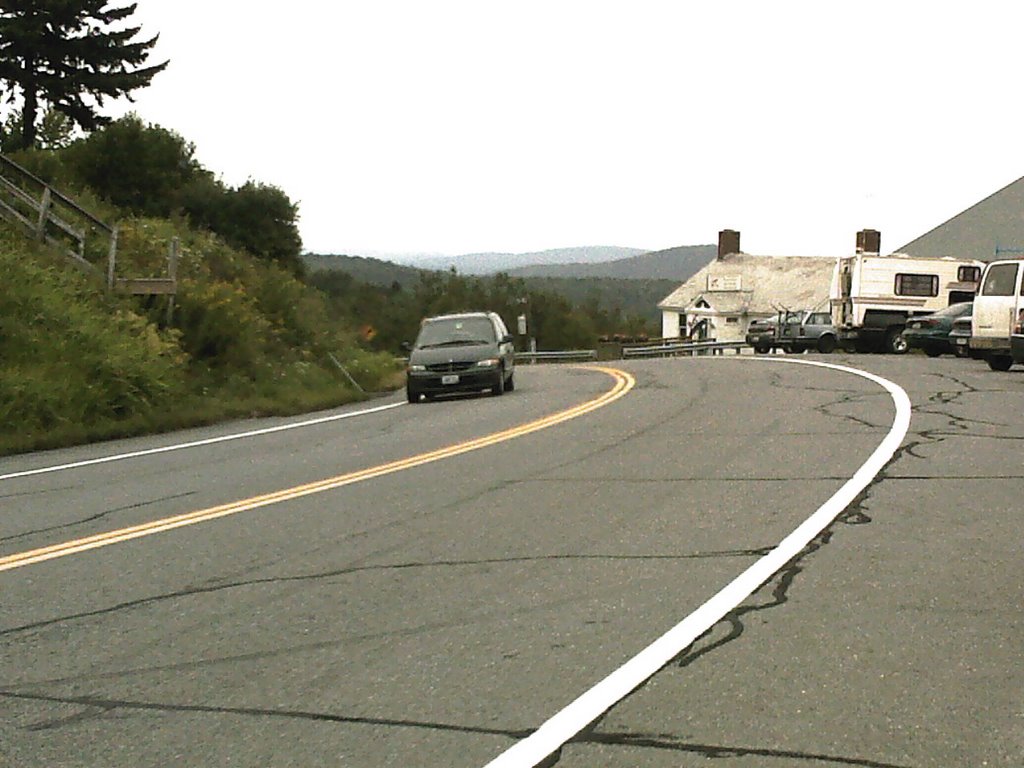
[449,367]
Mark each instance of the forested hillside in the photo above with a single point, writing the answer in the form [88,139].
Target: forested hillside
[616,297]
[390,315]
[388,300]
[365,269]
[677,264]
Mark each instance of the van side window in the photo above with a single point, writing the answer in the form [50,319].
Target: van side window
[1000,280]
[917,285]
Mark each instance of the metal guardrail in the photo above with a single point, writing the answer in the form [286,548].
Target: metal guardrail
[558,355]
[576,355]
[683,348]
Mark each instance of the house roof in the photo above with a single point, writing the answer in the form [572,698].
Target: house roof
[745,283]
[990,229]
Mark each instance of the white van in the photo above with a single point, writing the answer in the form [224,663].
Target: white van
[996,311]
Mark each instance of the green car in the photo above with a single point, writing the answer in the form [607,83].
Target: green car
[931,332]
[467,352]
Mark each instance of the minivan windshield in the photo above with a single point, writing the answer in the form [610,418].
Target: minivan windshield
[456,331]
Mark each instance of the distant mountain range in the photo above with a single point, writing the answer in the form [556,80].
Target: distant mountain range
[490,263]
[677,264]
[634,284]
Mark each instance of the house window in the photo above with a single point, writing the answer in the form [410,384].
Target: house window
[731,320]
[917,285]
[968,274]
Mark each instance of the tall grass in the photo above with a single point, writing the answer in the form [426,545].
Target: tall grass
[79,364]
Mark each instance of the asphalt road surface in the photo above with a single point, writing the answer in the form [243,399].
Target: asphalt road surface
[315,598]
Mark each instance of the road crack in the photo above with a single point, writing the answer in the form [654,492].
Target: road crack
[97,708]
[338,572]
[97,516]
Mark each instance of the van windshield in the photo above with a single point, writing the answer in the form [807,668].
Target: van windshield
[1000,280]
[452,331]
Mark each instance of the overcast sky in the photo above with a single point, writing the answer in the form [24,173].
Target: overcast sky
[435,126]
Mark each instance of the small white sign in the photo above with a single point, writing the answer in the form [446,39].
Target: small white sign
[723,283]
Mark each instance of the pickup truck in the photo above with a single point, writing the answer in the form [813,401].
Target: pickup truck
[793,332]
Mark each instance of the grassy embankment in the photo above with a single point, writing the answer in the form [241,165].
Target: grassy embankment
[78,364]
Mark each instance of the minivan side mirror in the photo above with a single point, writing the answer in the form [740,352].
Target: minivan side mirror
[507,338]
[407,346]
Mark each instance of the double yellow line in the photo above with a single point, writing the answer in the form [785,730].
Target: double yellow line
[623,383]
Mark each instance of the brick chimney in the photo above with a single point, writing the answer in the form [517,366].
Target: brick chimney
[869,241]
[728,242]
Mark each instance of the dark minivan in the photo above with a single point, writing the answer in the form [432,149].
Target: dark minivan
[467,352]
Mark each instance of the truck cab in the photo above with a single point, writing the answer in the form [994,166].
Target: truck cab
[794,331]
[997,309]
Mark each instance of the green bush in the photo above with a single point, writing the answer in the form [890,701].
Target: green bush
[296,314]
[220,326]
[142,169]
[69,356]
[260,219]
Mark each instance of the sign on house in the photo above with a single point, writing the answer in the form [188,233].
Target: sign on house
[719,283]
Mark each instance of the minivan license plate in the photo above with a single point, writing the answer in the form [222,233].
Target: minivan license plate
[450,379]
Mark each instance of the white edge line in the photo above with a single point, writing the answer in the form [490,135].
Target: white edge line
[560,728]
[197,443]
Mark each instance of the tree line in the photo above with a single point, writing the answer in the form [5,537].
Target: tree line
[389,315]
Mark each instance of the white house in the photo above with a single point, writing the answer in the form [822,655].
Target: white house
[722,299]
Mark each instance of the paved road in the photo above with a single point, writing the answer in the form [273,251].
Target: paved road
[437,614]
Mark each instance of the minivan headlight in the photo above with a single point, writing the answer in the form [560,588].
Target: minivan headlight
[416,368]
[489,362]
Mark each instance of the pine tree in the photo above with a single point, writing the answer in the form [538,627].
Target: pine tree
[70,55]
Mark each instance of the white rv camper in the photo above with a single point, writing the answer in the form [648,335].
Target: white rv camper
[873,295]
[997,313]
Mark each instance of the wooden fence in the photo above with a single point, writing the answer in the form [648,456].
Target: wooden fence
[53,218]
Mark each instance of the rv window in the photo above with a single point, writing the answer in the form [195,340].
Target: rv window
[917,285]
[968,274]
[1000,280]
